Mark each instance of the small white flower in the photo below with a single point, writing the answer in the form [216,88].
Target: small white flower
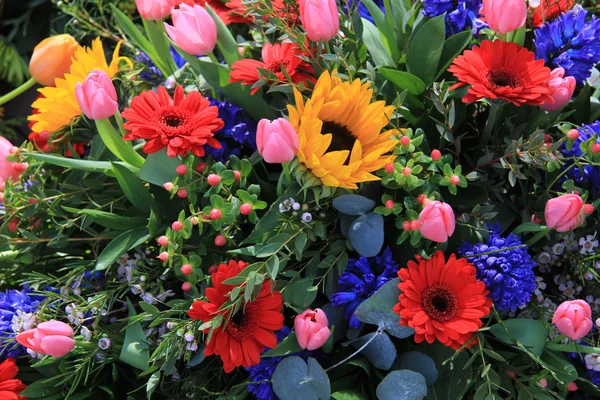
[534,3]
[104,343]
[137,289]
[170,82]
[22,321]
[148,298]
[296,206]
[588,276]
[164,295]
[544,257]
[100,357]
[73,315]
[558,249]
[588,244]
[192,346]
[307,217]
[189,337]
[86,333]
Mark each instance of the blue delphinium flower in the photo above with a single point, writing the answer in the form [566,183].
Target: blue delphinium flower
[571,42]
[16,315]
[588,173]
[363,11]
[153,75]
[507,271]
[238,134]
[264,371]
[460,15]
[361,280]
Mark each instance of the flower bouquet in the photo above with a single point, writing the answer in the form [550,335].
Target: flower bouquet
[311,199]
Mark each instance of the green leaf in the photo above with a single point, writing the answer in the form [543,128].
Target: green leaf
[287,346]
[109,220]
[453,46]
[404,81]
[42,388]
[353,204]
[381,352]
[135,348]
[563,368]
[225,39]
[134,189]
[119,245]
[425,49]
[528,227]
[293,379]
[152,384]
[82,165]
[159,168]
[158,38]
[421,363]
[348,395]
[386,30]
[366,234]
[402,385]
[132,32]
[532,334]
[117,145]
[379,53]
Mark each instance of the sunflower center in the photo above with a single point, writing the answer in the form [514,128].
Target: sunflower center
[341,137]
[502,78]
[439,302]
[242,324]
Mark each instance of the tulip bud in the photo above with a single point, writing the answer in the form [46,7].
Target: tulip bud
[573,319]
[97,96]
[561,90]
[564,213]
[53,338]
[504,16]
[437,221]
[312,329]
[51,58]
[320,18]
[193,30]
[276,140]
[9,169]
[154,10]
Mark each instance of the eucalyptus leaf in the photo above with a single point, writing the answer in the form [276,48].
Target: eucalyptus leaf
[366,234]
[294,379]
[421,363]
[402,385]
[381,352]
[353,204]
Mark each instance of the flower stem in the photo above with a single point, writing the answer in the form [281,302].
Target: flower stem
[491,121]
[356,352]
[18,91]
[572,348]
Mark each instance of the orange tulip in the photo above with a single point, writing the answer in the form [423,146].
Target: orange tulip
[51,58]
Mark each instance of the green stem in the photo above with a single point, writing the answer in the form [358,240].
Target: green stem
[18,91]
[356,352]
[538,236]
[572,348]
[120,122]
[213,58]
[491,122]
[286,171]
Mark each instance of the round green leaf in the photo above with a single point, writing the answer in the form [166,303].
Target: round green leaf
[366,234]
[381,352]
[402,385]
[293,379]
[353,204]
[421,363]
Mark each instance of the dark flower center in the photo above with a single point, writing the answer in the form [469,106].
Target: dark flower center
[242,324]
[173,121]
[502,78]
[439,302]
[341,137]
[275,66]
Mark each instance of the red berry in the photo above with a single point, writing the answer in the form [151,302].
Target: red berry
[186,286]
[176,226]
[32,201]
[213,268]
[186,269]
[245,209]
[547,138]
[406,171]
[404,141]
[511,374]
[182,193]
[543,382]
[236,175]
[194,220]
[596,148]
[164,256]
[588,209]
[572,387]
[573,134]
[168,186]
[436,154]
[389,168]
[20,167]
[389,204]
[181,169]
[13,224]
[454,180]
[406,225]
[421,198]
[163,240]
[215,214]
[14,150]
[213,179]
[200,167]
[220,240]
[535,219]
[414,225]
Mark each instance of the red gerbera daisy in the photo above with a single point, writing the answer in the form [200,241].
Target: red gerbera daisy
[10,387]
[549,10]
[500,70]
[250,330]
[230,11]
[442,300]
[181,124]
[274,57]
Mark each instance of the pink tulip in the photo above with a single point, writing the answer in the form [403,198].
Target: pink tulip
[573,319]
[504,16]
[9,169]
[564,213]
[53,338]
[97,96]
[193,30]
[320,18]
[277,141]
[154,10]
[561,90]
[311,329]
[437,221]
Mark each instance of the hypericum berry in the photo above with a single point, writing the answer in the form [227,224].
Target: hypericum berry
[213,268]
[421,198]
[32,201]
[436,154]
[200,167]
[406,225]
[20,167]
[181,169]
[164,256]
[404,141]
[454,180]
[14,150]
[220,240]
[194,220]
[13,224]
[573,134]
[236,175]
[543,382]
[414,225]
[215,214]
[588,209]
[186,286]
[511,374]
[168,186]
[213,179]
[389,204]
[186,269]
[547,138]
[535,219]
[406,171]
[176,226]
[596,148]
[389,168]
[163,240]
[245,209]
[182,193]
[572,387]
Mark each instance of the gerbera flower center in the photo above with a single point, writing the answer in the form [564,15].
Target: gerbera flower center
[275,66]
[172,120]
[439,302]
[242,324]
[504,78]
[341,137]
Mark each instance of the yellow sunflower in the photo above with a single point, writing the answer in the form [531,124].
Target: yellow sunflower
[59,105]
[340,132]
